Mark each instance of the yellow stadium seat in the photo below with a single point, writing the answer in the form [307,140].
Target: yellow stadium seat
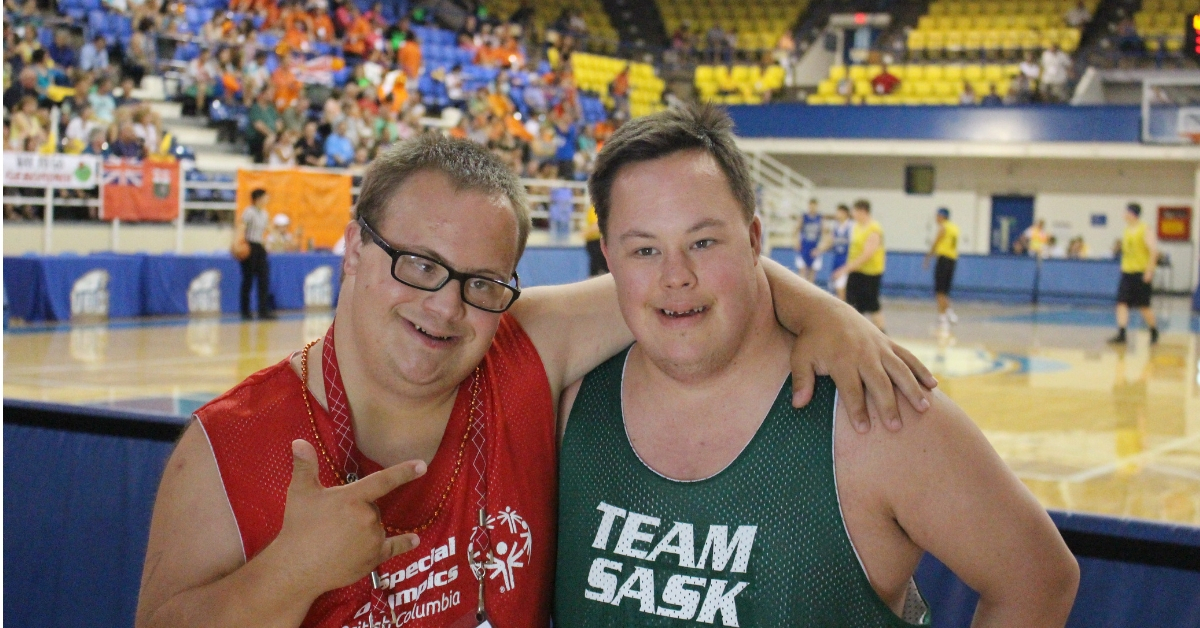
[913,71]
[945,88]
[954,8]
[944,23]
[973,8]
[934,72]
[873,71]
[704,74]
[923,89]
[990,8]
[837,72]
[981,88]
[973,72]
[898,71]
[858,72]
[917,41]
[936,41]
[952,73]
[955,42]
[973,42]
[926,23]
[862,88]
[994,72]
[937,8]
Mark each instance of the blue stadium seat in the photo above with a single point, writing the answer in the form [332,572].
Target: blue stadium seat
[341,77]
[268,40]
[187,52]
[76,14]
[191,15]
[97,21]
[91,5]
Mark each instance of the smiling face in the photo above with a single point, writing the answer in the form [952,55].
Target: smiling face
[684,258]
[413,337]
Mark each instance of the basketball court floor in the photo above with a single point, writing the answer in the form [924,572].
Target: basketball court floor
[1087,427]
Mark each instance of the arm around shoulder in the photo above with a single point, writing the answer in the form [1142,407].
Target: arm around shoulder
[195,573]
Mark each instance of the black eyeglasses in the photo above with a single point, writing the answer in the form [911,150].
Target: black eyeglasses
[423,273]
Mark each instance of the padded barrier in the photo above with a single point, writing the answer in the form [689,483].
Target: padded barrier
[79,486]
[38,288]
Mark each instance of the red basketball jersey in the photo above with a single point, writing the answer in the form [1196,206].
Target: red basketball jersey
[251,428]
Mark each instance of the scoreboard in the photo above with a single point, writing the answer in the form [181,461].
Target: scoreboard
[1191,43]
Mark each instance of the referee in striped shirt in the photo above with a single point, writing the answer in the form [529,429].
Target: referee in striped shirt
[253,225]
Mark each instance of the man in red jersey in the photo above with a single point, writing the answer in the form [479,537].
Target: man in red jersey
[441,399]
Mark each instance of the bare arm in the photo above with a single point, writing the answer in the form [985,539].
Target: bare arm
[942,488]
[195,574]
[933,247]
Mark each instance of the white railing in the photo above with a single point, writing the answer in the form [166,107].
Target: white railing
[783,195]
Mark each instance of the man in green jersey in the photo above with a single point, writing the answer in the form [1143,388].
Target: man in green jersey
[691,492]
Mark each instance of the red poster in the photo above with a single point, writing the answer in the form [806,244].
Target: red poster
[1175,223]
[141,189]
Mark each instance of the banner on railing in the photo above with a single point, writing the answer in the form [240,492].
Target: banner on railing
[317,204]
[34,170]
[141,189]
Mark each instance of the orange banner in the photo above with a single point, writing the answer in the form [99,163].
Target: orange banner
[136,189]
[317,202]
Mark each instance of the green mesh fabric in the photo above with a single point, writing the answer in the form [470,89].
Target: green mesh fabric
[761,543]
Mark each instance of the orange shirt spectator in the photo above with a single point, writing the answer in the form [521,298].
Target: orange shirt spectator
[322,27]
[517,129]
[510,53]
[292,16]
[395,87]
[296,39]
[287,86]
[410,58]
[359,36]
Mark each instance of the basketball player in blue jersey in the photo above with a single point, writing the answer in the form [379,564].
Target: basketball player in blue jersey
[839,243]
[811,230]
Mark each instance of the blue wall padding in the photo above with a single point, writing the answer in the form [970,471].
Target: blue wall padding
[1040,123]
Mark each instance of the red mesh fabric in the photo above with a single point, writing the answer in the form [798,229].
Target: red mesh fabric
[251,428]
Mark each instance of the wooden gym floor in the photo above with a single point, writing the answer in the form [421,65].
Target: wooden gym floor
[1088,427]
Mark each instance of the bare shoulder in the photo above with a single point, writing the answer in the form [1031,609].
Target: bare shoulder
[194,538]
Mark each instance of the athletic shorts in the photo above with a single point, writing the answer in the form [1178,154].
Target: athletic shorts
[837,284]
[1133,291]
[805,259]
[943,274]
[862,292]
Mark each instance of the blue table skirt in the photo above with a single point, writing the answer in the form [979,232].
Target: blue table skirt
[39,288]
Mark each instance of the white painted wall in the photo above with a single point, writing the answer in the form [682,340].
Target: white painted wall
[88,237]
[1066,194]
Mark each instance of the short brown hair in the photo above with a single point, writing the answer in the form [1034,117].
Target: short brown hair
[863,204]
[468,165]
[696,127]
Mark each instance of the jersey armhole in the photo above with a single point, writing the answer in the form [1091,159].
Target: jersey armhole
[221,476]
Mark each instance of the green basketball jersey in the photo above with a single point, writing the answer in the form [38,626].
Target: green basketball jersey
[761,543]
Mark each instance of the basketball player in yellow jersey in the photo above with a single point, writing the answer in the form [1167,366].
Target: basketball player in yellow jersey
[865,264]
[945,249]
[1139,254]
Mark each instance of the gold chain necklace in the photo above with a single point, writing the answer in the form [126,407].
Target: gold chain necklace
[462,445]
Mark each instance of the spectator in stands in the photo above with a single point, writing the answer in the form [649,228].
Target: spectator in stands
[27,124]
[618,90]
[310,150]
[967,96]
[1030,69]
[1078,16]
[127,99]
[283,152]
[200,80]
[46,75]
[1034,239]
[25,85]
[731,45]
[1020,91]
[1128,39]
[992,99]
[255,75]
[97,143]
[1077,249]
[141,56]
[79,129]
[339,150]
[845,89]
[286,85]
[568,133]
[127,144]
[885,82]
[410,58]
[1056,72]
[102,101]
[716,43]
[94,55]
[148,127]
[264,124]
[295,117]
[63,50]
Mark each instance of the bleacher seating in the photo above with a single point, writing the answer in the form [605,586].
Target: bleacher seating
[759,23]
[955,29]
[738,84]
[920,84]
[594,72]
[1161,23]
[603,37]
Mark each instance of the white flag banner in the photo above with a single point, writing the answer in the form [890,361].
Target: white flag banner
[35,170]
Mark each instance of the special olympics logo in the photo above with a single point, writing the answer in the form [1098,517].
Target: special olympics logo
[512,544]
